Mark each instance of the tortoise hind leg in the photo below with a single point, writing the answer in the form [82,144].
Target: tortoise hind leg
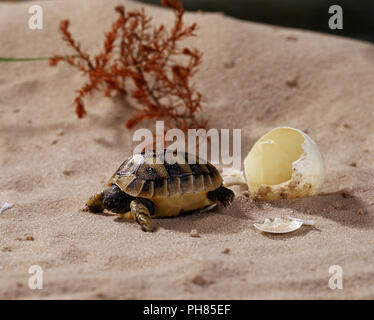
[222,194]
[142,213]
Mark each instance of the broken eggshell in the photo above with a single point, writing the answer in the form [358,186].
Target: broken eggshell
[278,225]
[232,177]
[284,163]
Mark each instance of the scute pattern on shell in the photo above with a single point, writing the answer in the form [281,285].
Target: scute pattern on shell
[164,174]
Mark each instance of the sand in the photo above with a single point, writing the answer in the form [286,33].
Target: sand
[254,77]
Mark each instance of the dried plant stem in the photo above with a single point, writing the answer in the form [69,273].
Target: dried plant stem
[3,59]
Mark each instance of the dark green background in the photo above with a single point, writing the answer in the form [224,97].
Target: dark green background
[358,15]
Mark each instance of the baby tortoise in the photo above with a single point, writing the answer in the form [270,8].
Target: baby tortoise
[161,184]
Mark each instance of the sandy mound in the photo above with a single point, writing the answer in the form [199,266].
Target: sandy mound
[254,77]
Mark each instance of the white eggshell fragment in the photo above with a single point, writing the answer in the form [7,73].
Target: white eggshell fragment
[284,163]
[6,206]
[305,222]
[232,177]
[208,208]
[278,225]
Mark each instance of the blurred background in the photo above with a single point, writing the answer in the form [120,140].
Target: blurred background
[358,15]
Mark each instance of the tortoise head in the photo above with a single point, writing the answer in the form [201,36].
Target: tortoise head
[114,199]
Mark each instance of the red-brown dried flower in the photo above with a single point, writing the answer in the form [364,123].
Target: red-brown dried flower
[133,51]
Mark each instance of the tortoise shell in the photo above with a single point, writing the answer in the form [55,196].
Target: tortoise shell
[154,174]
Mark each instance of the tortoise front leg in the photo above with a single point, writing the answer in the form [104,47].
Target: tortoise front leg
[95,203]
[142,215]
